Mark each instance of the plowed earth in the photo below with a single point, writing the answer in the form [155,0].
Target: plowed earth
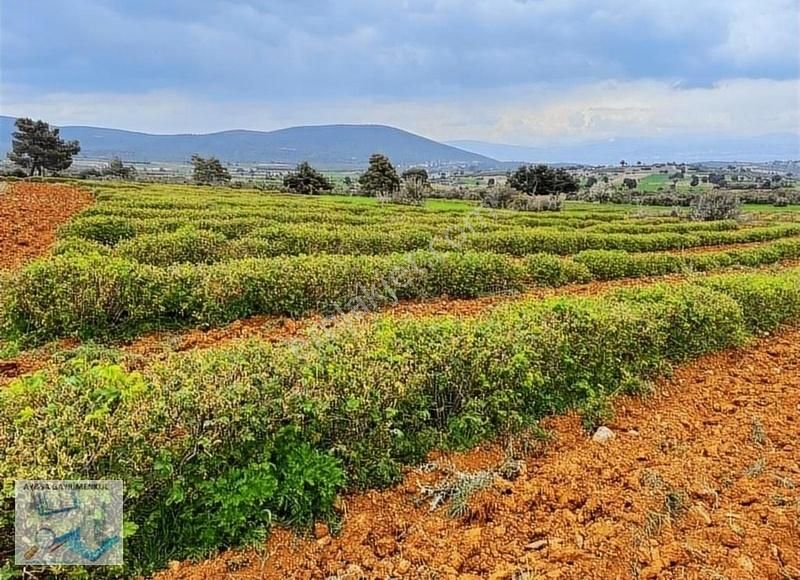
[30,214]
[702,480]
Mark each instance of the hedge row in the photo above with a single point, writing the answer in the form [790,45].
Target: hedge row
[615,264]
[93,294]
[648,227]
[152,217]
[520,243]
[247,237]
[213,445]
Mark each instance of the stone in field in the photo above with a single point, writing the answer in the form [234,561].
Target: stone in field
[603,435]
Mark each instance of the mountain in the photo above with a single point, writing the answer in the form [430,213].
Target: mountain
[648,150]
[326,146]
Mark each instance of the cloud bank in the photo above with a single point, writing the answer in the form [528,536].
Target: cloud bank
[527,72]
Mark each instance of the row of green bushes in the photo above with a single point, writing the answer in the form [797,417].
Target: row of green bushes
[246,237]
[188,245]
[641,226]
[93,294]
[215,445]
[331,216]
[111,229]
[520,243]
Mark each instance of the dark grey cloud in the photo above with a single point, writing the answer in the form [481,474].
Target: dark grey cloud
[280,50]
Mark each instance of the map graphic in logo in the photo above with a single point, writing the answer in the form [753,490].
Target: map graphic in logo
[68,522]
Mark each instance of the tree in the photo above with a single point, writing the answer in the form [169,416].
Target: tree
[38,147]
[590,181]
[209,170]
[542,180]
[414,187]
[381,178]
[412,191]
[695,181]
[417,173]
[306,180]
[716,205]
[116,168]
[629,182]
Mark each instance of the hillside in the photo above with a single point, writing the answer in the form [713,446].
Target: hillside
[327,146]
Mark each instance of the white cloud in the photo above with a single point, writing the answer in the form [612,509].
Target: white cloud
[544,114]
[761,31]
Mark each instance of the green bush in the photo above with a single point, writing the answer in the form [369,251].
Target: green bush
[96,294]
[212,445]
[107,230]
[79,246]
[185,245]
[550,270]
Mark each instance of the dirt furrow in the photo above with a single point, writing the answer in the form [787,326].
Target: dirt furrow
[279,328]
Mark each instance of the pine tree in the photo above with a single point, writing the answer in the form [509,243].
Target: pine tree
[307,180]
[38,148]
[209,170]
[381,178]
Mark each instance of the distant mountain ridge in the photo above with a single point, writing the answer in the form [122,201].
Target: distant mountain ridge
[349,147]
[326,146]
[779,146]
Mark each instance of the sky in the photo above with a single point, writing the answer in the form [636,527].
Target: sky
[524,72]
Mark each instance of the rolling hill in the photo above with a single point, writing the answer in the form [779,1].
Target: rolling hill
[326,146]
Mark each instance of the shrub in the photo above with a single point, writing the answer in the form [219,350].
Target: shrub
[411,192]
[185,245]
[213,444]
[98,293]
[715,205]
[550,270]
[537,203]
[107,230]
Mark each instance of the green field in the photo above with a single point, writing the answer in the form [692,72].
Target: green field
[216,445]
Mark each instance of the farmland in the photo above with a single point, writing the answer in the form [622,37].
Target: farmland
[385,333]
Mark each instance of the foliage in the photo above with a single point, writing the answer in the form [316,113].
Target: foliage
[38,148]
[209,171]
[412,191]
[504,197]
[306,180]
[416,173]
[629,183]
[716,205]
[380,179]
[215,444]
[117,169]
[97,294]
[542,180]
[537,203]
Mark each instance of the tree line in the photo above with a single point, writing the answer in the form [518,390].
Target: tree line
[37,148]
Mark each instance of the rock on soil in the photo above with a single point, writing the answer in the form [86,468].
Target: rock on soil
[603,435]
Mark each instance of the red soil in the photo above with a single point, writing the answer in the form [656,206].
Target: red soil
[278,328]
[30,214]
[701,481]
